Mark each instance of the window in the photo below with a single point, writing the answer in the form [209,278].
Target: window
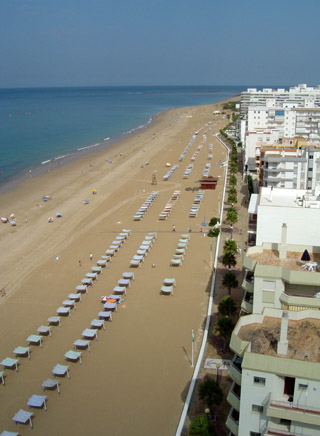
[269,286]
[302,387]
[259,381]
[256,408]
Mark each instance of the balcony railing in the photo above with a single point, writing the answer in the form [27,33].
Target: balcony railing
[280,432]
[294,406]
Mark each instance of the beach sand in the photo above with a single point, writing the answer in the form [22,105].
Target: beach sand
[135,378]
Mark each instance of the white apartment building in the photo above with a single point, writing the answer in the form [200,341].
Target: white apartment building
[275,373]
[301,95]
[289,168]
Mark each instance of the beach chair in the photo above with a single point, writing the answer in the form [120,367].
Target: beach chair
[82,344]
[87,282]
[92,276]
[64,311]
[125,282]
[82,289]
[37,401]
[166,290]
[185,236]
[111,252]
[22,352]
[98,324]
[35,340]
[51,384]
[135,263]
[169,282]
[61,370]
[75,297]
[54,320]
[176,262]
[44,330]
[106,316]
[90,334]
[98,269]
[70,304]
[128,275]
[23,417]
[101,263]
[9,433]
[74,356]
[8,362]
[178,256]
[120,290]
[110,306]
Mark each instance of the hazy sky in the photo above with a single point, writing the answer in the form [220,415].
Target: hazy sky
[159,42]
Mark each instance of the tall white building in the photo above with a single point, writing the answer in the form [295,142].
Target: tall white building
[275,373]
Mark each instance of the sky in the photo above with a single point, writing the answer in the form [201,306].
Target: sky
[159,42]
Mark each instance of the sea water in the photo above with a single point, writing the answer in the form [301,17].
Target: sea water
[42,125]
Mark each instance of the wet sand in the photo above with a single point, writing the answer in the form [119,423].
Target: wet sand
[135,378]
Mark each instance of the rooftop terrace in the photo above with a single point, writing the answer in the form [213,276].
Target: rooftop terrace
[303,338]
[292,260]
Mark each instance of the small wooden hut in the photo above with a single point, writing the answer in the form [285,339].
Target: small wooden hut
[209,182]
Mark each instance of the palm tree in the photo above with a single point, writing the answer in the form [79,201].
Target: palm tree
[229,281]
[214,221]
[229,260]
[227,306]
[210,392]
[200,426]
[232,190]
[232,198]
[233,180]
[224,328]
[214,233]
[232,216]
[233,167]
[230,246]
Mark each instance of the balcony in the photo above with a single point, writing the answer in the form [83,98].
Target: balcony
[233,397]
[232,422]
[278,431]
[247,303]
[235,370]
[293,412]
[305,301]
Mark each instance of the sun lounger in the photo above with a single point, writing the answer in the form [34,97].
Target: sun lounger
[137,218]
[54,320]
[110,306]
[51,384]
[154,234]
[82,289]
[92,276]
[8,362]
[73,356]
[145,242]
[98,324]
[176,262]
[169,282]
[106,258]
[182,245]
[142,252]
[144,247]
[121,239]
[128,275]
[101,264]
[37,401]
[124,235]
[75,297]
[149,238]
[166,290]
[69,303]
[90,334]
[117,243]
[44,330]
[35,340]
[180,250]
[23,417]
[97,269]
[111,252]
[107,316]
[135,263]
[63,311]
[61,370]
[185,236]
[82,344]
[125,282]
[127,231]
[9,433]
[183,241]
[87,282]
[22,351]
[178,256]
[120,290]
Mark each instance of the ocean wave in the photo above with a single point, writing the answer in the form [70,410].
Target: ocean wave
[89,146]
[46,161]
[61,157]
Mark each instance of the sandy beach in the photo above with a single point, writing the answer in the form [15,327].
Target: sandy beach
[135,378]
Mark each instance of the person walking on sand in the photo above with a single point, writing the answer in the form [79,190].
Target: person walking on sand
[90,256]
[173,228]
[79,262]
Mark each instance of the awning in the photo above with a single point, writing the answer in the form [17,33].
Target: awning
[253,205]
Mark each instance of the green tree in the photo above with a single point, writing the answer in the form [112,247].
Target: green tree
[233,180]
[233,167]
[210,392]
[227,306]
[232,190]
[224,328]
[232,216]
[229,281]
[229,260]
[232,198]
[200,426]
[230,246]
[214,221]
[214,233]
